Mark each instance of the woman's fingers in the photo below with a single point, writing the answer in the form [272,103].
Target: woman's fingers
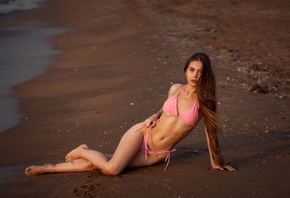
[229,168]
[226,167]
[218,168]
[149,123]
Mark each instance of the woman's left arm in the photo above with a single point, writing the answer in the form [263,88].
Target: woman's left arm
[213,164]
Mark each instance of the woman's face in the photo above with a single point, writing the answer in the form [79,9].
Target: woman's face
[193,72]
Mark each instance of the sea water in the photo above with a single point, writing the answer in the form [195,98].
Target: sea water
[25,53]
[8,6]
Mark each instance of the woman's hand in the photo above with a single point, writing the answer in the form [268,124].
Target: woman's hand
[224,167]
[151,121]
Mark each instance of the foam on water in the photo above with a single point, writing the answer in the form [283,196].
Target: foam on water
[8,6]
[24,55]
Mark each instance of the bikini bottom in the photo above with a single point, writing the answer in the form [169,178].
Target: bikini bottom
[144,148]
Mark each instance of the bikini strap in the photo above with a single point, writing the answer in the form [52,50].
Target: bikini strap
[167,159]
[181,90]
[139,128]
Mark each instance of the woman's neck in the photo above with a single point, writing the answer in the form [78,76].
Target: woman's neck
[190,90]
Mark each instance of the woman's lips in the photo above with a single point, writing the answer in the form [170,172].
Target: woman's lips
[194,81]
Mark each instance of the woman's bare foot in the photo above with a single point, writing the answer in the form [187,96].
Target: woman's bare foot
[74,154]
[38,170]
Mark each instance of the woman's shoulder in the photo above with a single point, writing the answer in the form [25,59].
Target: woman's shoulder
[175,88]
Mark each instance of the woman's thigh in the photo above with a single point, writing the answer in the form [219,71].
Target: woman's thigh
[127,149]
[140,160]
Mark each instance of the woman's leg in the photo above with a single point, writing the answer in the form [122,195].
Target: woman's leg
[73,166]
[127,149]
[127,154]
[84,159]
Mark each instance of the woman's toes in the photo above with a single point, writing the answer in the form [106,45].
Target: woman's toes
[30,171]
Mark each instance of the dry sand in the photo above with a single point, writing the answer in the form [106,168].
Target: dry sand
[118,62]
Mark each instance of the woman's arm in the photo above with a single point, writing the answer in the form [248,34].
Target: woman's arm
[213,164]
[151,121]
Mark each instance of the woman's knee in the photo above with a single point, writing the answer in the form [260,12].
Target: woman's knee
[111,171]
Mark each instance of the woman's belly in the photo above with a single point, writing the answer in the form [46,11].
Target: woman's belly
[167,133]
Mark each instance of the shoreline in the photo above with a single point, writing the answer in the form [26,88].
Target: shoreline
[26,55]
[122,63]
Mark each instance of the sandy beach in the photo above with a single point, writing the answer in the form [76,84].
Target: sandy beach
[116,62]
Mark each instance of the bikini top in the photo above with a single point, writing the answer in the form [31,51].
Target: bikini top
[190,116]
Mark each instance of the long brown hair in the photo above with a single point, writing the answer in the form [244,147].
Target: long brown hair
[206,92]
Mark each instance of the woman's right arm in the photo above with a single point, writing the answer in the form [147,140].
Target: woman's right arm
[151,121]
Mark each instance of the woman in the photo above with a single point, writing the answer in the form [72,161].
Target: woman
[153,140]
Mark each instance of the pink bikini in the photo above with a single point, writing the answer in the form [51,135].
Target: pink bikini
[190,117]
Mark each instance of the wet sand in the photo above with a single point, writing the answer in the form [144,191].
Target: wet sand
[117,65]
